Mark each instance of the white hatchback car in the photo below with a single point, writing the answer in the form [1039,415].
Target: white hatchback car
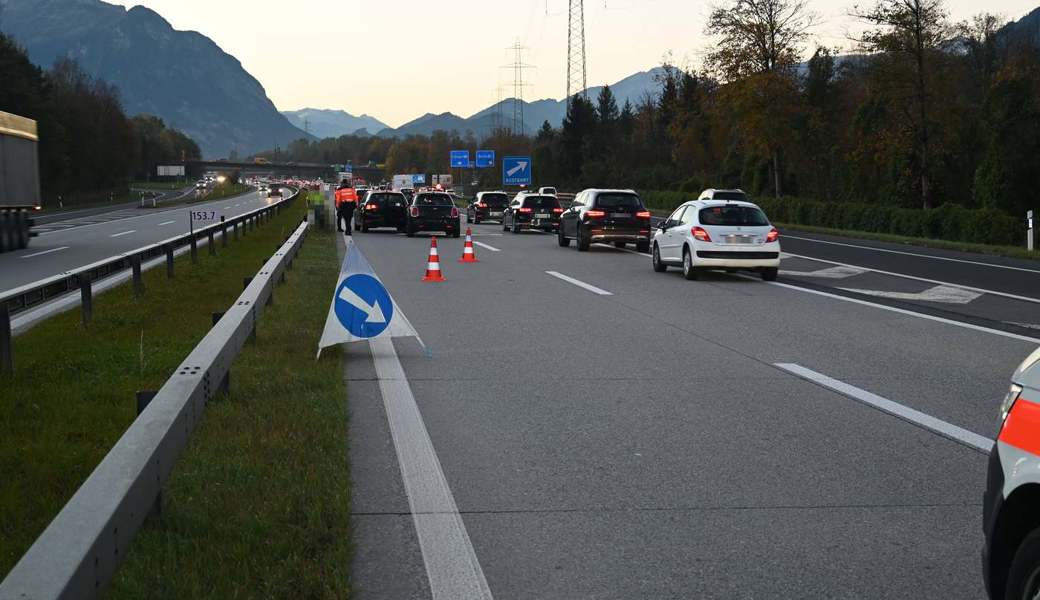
[717,234]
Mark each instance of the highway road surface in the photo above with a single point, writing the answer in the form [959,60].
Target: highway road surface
[80,240]
[605,431]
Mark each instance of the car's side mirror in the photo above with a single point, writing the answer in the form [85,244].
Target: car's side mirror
[664,225]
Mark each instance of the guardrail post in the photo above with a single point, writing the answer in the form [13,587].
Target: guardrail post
[86,299]
[194,250]
[234,230]
[209,242]
[135,266]
[169,261]
[223,231]
[6,353]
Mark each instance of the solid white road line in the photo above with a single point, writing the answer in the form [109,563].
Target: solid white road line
[165,223]
[451,563]
[581,284]
[957,260]
[122,233]
[915,278]
[901,311]
[46,252]
[483,245]
[939,426]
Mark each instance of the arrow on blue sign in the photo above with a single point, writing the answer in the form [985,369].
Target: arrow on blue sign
[516,170]
[363,306]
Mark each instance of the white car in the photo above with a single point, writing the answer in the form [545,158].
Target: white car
[717,234]
[1011,504]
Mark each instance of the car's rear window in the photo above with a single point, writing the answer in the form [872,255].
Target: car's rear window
[619,201]
[541,202]
[729,196]
[433,200]
[734,216]
[382,198]
[495,199]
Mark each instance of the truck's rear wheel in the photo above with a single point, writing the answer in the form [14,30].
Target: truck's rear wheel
[6,232]
[23,231]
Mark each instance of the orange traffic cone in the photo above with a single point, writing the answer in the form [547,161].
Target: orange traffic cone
[468,256]
[433,265]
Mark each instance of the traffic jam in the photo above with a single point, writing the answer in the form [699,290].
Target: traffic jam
[721,230]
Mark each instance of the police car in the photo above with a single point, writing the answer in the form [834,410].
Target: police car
[1011,505]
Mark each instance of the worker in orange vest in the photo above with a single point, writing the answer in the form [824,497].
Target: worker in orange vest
[346,202]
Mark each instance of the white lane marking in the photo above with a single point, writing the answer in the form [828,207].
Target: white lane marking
[59,249]
[829,273]
[451,563]
[227,207]
[165,223]
[1026,325]
[947,430]
[901,311]
[483,245]
[915,278]
[122,233]
[581,284]
[957,260]
[940,293]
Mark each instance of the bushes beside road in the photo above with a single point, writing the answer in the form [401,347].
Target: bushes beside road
[948,222]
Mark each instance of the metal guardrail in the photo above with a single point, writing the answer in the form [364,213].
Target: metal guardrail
[78,553]
[17,300]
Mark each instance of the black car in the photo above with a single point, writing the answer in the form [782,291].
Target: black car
[617,216]
[532,211]
[381,209]
[487,206]
[433,211]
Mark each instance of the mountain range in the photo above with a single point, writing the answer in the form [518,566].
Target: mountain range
[324,123]
[182,77]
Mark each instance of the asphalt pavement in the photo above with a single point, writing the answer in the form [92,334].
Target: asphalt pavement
[81,239]
[610,432]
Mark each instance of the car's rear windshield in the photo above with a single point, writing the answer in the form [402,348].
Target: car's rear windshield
[734,216]
[729,196]
[494,199]
[541,202]
[619,201]
[433,200]
[381,198]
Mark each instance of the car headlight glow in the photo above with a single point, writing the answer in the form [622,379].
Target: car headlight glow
[1009,401]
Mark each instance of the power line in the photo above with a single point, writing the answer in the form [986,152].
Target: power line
[518,67]
[576,80]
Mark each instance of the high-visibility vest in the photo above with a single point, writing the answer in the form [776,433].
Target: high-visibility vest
[345,195]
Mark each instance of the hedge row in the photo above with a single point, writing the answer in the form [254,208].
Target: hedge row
[948,222]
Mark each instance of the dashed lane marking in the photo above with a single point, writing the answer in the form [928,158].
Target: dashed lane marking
[52,250]
[579,283]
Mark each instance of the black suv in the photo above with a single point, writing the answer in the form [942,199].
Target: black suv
[616,216]
[433,211]
[532,211]
[381,209]
[487,206]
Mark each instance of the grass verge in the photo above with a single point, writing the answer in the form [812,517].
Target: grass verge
[258,504]
[160,185]
[1004,251]
[72,394]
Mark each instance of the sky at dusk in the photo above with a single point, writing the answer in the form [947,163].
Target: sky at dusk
[398,59]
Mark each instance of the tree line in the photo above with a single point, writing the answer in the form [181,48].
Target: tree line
[89,148]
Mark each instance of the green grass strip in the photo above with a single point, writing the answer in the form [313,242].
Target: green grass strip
[258,505]
[72,394]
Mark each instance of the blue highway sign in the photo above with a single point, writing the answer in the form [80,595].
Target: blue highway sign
[485,159]
[516,170]
[460,159]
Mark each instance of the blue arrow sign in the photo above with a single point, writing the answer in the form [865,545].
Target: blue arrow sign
[516,170]
[485,159]
[363,306]
[460,159]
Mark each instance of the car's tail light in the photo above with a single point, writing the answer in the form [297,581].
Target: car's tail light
[482,205]
[454,212]
[371,207]
[414,211]
[595,214]
[700,234]
[526,210]
[643,214]
[557,210]
[772,236]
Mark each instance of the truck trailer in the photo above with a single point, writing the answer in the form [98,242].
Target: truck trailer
[19,180]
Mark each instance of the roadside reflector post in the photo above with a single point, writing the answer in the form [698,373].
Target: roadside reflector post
[169,261]
[209,242]
[1030,232]
[6,352]
[135,266]
[86,299]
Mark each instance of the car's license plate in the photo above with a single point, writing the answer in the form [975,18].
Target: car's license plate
[620,215]
[541,216]
[496,214]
